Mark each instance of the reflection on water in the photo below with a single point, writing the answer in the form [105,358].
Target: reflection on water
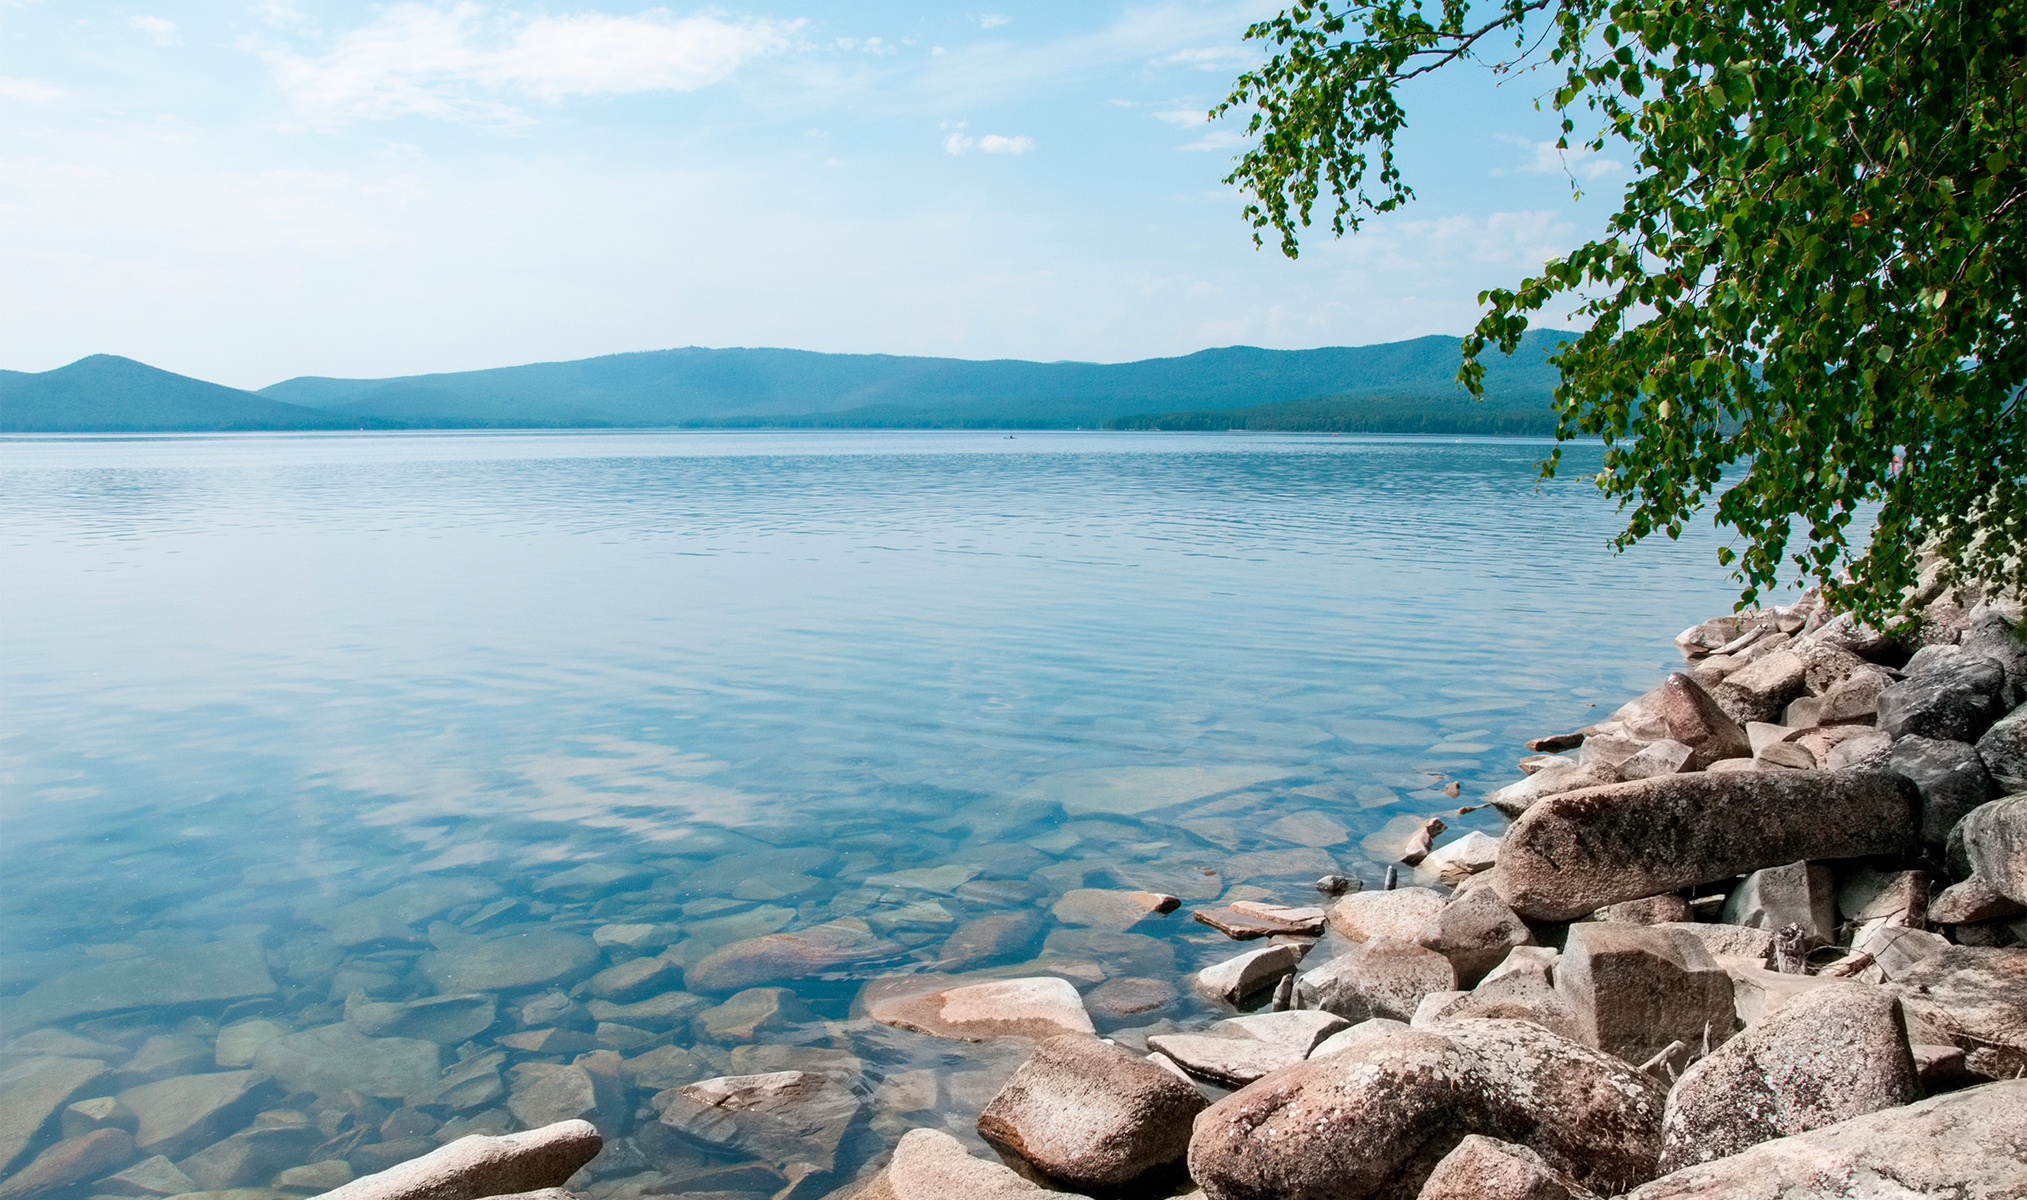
[361,792]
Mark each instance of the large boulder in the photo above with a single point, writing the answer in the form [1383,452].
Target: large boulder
[1379,977]
[929,1164]
[1967,1145]
[1633,989]
[1400,913]
[1994,838]
[1841,1055]
[2003,749]
[1373,1120]
[1572,854]
[1483,1168]
[477,1166]
[1952,695]
[1091,1115]
[1475,931]
[1950,775]
[1973,998]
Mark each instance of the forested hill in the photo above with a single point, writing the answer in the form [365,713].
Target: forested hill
[699,388]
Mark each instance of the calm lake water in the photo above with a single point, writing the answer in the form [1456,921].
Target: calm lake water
[293,723]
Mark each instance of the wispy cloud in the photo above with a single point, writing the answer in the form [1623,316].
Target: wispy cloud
[993,143]
[1544,159]
[455,63]
[1216,139]
[28,89]
[993,21]
[1212,58]
[1181,116]
[161,29]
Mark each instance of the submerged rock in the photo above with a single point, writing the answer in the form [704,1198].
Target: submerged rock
[252,1157]
[785,956]
[785,1118]
[34,1092]
[176,1117]
[336,1057]
[1242,975]
[445,1020]
[517,959]
[1572,854]
[996,935]
[1039,1007]
[177,974]
[1091,1115]
[70,1162]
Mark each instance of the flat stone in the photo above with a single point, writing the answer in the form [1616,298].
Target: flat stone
[162,1056]
[657,1012]
[1039,1007]
[1633,989]
[662,1068]
[155,1176]
[1379,977]
[1246,921]
[1648,910]
[818,950]
[943,880]
[523,958]
[70,1162]
[1483,1168]
[315,1178]
[569,1094]
[1454,862]
[2003,750]
[1799,893]
[1308,827]
[1128,996]
[1091,1115]
[471,1084]
[33,1093]
[638,937]
[334,1058]
[1841,1055]
[1960,1145]
[1475,931]
[445,1020]
[548,1041]
[1572,854]
[1105,908]
[1240,976]
[185,973]
[476,1167]
[1994,841]
[1974,998]
[748,1014]
[391,916]
[175,1117]
[99,1112]
[586,880]
[1117,953]
[1954,697]
[1401,913]
[1375,1119]
[929,1164]
[251,1157]
[636,978]
[238,1042]
[1235,1052]
[1354,1035]
[784,1118]
[983,939]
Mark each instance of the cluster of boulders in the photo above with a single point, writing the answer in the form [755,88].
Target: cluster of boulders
[1759,933]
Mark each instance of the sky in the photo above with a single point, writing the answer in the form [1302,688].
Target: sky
[250,190]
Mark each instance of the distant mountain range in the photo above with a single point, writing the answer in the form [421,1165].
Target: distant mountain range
[1394,387]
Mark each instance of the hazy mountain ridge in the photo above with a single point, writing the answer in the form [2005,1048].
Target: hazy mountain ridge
[750,388]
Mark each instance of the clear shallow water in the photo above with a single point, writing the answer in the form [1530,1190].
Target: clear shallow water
[346,707]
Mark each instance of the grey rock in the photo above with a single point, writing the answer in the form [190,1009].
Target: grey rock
[1519,989]
[1648,910]
[1355,1035]
[1865,894]
[1633,989]
[314,1179]
[1841,1055]
[163,1056]
[1852,634]
[982,939]
[787,956]
[1375,1119]
[569,1093]
[1971,901]
[1379,977]
[518,958]
[783,1118]
[1865,752]
[100,1112]
[1483,1168]
[175,1117]
[476,1167]
[586,880]
[1516,798]
[251,1157]
[238,1042]
[1951,776]
[333,1058]
[1994,841]
[929,1164]
[163,977]
[1824,666]
[1401,913]
[390,916]
[1572,854]
[2003,750]
[636,978]
[445,1020]
[665,1011]
[471,1084]
[748,1014]
[1475,931]
[32,1093]
[155,1176]
[1759,690]
[1965,1145]
[1242,975]
[1797,893]
[1665,757]
[1037,1007]
[1855,700]
[1091,1115]
[1126,996]
[1953,697]
[662,1068]
[71,1162]
[1973,998]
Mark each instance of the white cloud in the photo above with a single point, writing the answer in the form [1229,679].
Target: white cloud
[161,29]
[440,61]
[1182,116]
[993,143]
[1212,58]
[1216,139]
[27,89]
[957,143]
[1545,159]
[993,21]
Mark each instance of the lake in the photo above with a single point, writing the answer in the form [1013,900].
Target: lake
[301,729]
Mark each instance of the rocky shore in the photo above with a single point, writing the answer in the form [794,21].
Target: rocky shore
[1761,932]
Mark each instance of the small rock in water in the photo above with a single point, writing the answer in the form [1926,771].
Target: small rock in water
[178,1116]
[102,1112]
[1038,1007]
[1105,908]
[784,1118]
[315,1178]
[786,956]
[1337,885]
[445,1020]
[996,935]
[70,1162]
[150,1177]
[636,978]
[1241,976]
[336,1057]
[1247,919]
[1128,996]
[1091,1115]
[745,1015]
[1419,842]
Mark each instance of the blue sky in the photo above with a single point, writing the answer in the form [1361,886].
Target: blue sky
[247,190]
